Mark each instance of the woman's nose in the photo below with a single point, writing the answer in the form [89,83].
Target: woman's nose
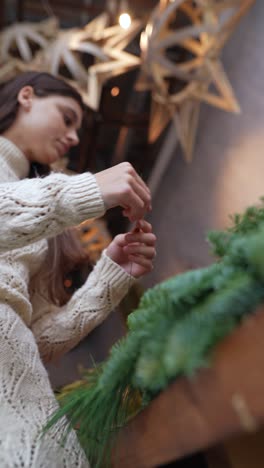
[73,137]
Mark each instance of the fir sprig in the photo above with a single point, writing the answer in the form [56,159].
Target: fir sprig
[189,342]
[242,224]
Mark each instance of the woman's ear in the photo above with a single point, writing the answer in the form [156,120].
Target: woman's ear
[25,97]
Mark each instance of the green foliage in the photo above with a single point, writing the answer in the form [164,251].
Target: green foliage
[174,296]
[242,224]
[172,333]
[248,221]
[189,341]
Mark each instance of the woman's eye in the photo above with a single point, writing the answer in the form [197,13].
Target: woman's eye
[67,120]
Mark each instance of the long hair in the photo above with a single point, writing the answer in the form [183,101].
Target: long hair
[66,266]
[65,256]
[43,84]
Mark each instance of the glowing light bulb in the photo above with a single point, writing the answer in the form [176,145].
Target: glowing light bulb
[115,91]
[125,20]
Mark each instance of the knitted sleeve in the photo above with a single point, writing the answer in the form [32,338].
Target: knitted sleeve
[59,329]
[32,209]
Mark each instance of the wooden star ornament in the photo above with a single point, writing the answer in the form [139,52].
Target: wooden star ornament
[16,40]
[181,64]
[103,43]
[111,41]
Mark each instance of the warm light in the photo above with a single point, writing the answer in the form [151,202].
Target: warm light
[115,91]
[67,283]
[143,41]
[125,20]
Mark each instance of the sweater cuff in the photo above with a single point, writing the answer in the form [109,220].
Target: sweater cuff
[82,193]
[114,273]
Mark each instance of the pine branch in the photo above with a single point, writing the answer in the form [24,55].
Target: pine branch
[242,224]
[190,341]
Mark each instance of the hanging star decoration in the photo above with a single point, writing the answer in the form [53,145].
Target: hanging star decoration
[103,46]
[181,64]
[18,40]
[19,44]
[111,41]
[180,60]
[66,52]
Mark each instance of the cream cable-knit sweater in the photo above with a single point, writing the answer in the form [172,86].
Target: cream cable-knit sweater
[32,329]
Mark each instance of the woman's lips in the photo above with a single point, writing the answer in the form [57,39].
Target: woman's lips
[63,148]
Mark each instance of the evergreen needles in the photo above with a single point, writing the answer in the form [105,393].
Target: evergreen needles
[173,332]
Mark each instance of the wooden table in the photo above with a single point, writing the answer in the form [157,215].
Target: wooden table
[194,414]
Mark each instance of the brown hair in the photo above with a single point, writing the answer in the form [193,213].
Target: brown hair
[66,255]
[43,84]
[66,262]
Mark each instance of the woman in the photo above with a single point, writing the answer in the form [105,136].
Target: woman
[39,119]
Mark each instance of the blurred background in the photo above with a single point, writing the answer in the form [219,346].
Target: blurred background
[173,89]
[162,94]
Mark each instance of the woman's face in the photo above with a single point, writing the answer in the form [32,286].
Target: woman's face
[47,126]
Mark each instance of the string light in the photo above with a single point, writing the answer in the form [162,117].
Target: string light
[115,91]
[125,20]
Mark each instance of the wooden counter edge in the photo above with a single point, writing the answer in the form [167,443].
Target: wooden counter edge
[193,414]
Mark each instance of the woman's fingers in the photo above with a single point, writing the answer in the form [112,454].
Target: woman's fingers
[136,196]
[142,237]
[122,186]
[136,237]
[142,193]
[144,226]
[135,206]
[142,261]
[140,249]
[141,188]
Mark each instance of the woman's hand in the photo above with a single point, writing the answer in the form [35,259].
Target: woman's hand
[121,185]
[135,250]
